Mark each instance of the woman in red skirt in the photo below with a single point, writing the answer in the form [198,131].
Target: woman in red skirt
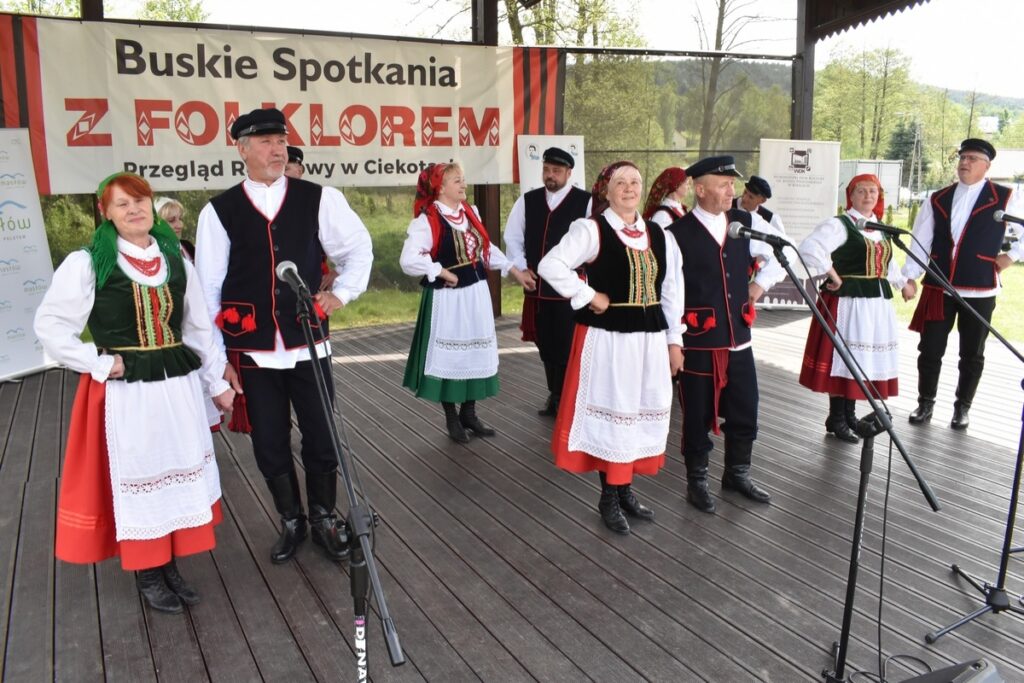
[140,478]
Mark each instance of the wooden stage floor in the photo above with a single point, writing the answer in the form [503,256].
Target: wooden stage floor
[496,565]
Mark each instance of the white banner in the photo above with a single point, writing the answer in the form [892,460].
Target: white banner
[803,175]
[531,163]
[160,101]
[25,266]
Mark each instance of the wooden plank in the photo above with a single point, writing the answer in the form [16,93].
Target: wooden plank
[47,444]
[123,628]
[11,497]
[78,652]
[174,646]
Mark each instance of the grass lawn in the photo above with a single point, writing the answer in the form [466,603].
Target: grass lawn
[381,306]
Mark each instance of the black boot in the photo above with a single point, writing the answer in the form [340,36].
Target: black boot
[155,591]
[451,420]
[321,493]
[923,412]
[633,507]
[851,414]
[697,483]
[550,408]
[179,585]
[469,420]
[737,471]
[961,418]
[285,490]
[835,423]
[611,511]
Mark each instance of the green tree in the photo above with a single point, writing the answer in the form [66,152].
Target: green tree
[174,10]
[46,8]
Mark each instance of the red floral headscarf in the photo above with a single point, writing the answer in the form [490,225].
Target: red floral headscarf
[664,185]
[427,187]
[867,178]
[599,193]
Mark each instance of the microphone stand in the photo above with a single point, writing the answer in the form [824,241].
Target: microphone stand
[868,428]
[996,598]
[362,565]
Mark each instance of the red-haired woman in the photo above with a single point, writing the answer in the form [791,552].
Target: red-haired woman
[140,478]
[454,354]
[665,200]
[617,398]
[855,297]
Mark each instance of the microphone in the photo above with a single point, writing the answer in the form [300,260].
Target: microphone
[1003,217]
[865,224]
[739,231]
[287,271]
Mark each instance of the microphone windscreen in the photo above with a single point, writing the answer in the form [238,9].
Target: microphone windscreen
[998,215]
[283,267]
[736,230]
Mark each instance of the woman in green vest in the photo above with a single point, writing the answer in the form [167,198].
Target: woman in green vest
[140,477]
[854,298]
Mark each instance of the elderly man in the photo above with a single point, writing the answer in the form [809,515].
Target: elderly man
[294,167]
[957,229]
[538,221]
[243,234]
[718,378]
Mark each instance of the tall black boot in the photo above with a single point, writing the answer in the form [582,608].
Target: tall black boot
[609,507]
[177,583]
[697,483]
[469,420]
[550,408]
[737,470]
[835,423]
[155,592]
[633,507]
[851,414]
[451,420]
[966,388]
[927,387]
[321,494]
[285,490]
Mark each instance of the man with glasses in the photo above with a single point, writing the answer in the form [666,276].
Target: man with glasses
[957,230]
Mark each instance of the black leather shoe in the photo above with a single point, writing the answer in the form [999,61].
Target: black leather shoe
[923,412]
[699,496]
[155,591]
[293,533]
[742,483]
[469,420]
[550,408]
[611,511]
[633,507]
[851,415]
[840,428]
[326,534]
[179,585]
[451,420]
[961,418]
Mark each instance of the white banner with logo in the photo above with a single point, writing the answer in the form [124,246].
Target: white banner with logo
[25,266]
[531,162]
[803,175]
[160,101]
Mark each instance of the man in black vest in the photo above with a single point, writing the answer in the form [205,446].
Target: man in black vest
[243,234]
[756,192]
[718,377]
[538,221]
[957,229]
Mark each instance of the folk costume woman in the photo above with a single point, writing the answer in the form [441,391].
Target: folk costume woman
[665,201]
[855,295]
[454,354]
[617,396]
[140,478]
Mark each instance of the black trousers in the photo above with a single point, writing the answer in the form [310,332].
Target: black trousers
[270,396]
[737,403]
[555,326]
[972,347]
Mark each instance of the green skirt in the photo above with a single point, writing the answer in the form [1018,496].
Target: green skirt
[439,389]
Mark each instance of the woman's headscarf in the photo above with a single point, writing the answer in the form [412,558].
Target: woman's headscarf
[428,187]
[599,193]
[664,185]
[867,178]
[103,249]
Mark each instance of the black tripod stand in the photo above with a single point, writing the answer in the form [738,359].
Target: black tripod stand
[868,428]
[996,598]
[361,519]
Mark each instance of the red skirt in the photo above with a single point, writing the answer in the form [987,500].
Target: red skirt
[85,504]
[816,371]
[577,461]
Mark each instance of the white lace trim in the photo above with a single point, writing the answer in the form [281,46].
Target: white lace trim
[133,533]
[178,477]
